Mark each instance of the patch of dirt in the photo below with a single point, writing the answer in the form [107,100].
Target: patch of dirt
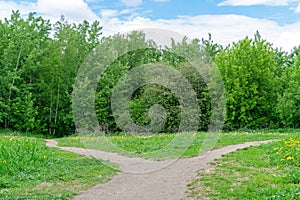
[44,185]
[149,179]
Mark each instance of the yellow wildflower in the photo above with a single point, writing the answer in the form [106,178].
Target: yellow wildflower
[290,158]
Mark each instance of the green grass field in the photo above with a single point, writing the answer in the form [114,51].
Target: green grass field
[270,171]
[30,170]
[147,146]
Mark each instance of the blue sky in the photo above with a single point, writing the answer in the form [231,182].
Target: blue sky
[227,20]
[170,9]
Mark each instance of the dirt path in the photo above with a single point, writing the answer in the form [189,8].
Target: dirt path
[167,183]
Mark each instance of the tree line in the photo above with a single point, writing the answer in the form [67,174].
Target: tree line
[39,62]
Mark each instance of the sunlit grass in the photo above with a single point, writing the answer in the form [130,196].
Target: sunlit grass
[30,170]
[146,146]
[264,172]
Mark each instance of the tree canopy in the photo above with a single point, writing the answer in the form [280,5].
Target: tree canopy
[39,63]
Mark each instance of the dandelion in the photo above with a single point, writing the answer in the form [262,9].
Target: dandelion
[289,158]
[286,155]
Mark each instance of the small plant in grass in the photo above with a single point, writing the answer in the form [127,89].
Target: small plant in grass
[20,157]
[288,152]
[287,155]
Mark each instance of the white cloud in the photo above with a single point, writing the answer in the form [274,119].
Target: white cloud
[108,13]
[297,9]
[293,4]
[255,2]
[224,28]
[74,10]
[6,7]
[132,3]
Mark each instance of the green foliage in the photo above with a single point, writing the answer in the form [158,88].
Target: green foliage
[20,40]
[212,49]
[24,116]
[248,71]
[146,96]
[37,72]
[289,100]
[39,63]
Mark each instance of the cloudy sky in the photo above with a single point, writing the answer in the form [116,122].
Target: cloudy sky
[278,21]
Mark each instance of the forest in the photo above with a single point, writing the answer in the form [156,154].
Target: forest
[39,63]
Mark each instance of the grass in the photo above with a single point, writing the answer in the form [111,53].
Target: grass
[155,146]
[270,171]
[30,170]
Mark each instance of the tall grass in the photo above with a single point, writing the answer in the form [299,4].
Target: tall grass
[30,170]
[20,158]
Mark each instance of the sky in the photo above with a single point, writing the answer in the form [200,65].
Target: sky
[278,21]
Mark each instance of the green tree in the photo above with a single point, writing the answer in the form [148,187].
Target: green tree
[143,52]
[25,114]
[211,48]
[288,106]
[59,66]
[248,69]
[21,39]
[38,66]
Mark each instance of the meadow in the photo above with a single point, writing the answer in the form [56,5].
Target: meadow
[30,170]
[146,146]
[44,90]
[270,171]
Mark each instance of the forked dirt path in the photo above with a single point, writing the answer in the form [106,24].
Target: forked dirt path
[152,180]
